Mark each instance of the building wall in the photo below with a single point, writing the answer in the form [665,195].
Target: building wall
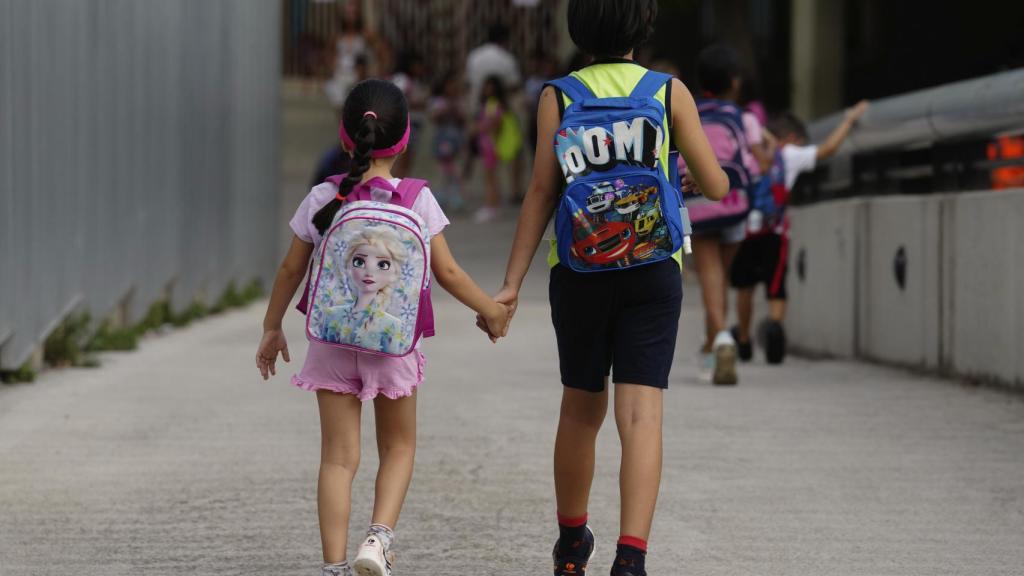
[138,157]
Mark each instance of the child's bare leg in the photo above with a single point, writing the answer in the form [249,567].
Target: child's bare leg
[581,418]
[396,445]
[745,311]
[339,460]
[777,309]
[638,414]
[708,258]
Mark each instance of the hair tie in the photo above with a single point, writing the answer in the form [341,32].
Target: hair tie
[370,113]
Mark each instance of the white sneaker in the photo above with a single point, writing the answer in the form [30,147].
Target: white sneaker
[724,350]
[705,366]
[372,559]
[485,214]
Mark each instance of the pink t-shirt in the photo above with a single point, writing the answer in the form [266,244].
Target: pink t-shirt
[302,222]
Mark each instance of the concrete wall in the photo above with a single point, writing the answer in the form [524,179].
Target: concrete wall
[960,308]
[823,277]
[138,156]
[985,305]
[899,322]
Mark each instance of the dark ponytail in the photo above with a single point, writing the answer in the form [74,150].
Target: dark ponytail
[376,116]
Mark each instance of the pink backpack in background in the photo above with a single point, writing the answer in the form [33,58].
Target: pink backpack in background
[723,124]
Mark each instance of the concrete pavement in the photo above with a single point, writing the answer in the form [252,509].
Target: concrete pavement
[178,459]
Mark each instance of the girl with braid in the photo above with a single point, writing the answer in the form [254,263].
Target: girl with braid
[374,130]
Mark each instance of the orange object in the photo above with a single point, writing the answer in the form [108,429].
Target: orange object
[1007,148]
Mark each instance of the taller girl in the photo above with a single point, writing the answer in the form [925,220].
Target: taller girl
[374,130]
[619,322]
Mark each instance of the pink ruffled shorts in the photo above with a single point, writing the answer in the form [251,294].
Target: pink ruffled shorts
[362,375]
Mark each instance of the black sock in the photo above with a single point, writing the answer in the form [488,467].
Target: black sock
[629,558]
[570,536]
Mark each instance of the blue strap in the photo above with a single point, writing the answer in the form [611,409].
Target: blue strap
[650,84]
[572,87]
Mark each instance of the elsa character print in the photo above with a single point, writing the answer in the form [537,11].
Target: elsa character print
[373,261]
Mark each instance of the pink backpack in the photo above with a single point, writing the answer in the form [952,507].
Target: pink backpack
[369,281]
[723,125]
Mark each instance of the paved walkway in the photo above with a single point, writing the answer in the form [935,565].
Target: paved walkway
[178,459]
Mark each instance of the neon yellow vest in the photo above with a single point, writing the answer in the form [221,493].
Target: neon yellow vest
[608,81]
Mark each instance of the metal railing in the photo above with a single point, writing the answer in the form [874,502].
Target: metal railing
[925,141]
[138,156]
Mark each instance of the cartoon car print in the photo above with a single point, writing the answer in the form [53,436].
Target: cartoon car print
[631,199]
[645,222]
[644,250]
[607,244]
[602,198]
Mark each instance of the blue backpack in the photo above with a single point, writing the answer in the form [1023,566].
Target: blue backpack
[619,209]
[769,198]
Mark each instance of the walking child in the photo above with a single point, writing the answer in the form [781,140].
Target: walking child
[764,255]
[615,285]
[376,238]
[488,130]
[719,228]
[449,138]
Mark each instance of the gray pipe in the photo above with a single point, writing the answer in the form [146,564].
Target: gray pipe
[987,105]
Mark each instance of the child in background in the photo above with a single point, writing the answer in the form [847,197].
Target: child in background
[719,229]
[763,255]
[449,139]
[489,123]
[409,79]
[374,129]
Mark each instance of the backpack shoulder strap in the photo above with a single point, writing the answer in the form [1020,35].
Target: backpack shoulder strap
[650,84]
[572,87]
[408,191]
[336,179]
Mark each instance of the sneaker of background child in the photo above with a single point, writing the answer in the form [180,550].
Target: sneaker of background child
[746,349]
[724,350]
[774,342]
[485,214]
[574,562]
[373,559]
[705,366]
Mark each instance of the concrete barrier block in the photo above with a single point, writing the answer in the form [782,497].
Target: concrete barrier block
[900,281]
[823,277]
[984,304]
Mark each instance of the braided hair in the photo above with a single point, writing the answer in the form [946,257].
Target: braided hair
[377,116]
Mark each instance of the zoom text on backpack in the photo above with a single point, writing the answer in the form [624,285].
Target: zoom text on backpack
[370,282]
[619,208]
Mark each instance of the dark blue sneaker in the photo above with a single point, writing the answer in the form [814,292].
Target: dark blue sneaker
[775,343]
[746,349]
[618,571]
[574,563]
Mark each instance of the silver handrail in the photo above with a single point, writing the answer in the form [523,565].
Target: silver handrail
[988,105]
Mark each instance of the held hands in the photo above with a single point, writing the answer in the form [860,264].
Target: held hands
[273,341]
[496,323]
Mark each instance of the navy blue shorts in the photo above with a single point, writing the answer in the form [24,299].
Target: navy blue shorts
[622,323]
